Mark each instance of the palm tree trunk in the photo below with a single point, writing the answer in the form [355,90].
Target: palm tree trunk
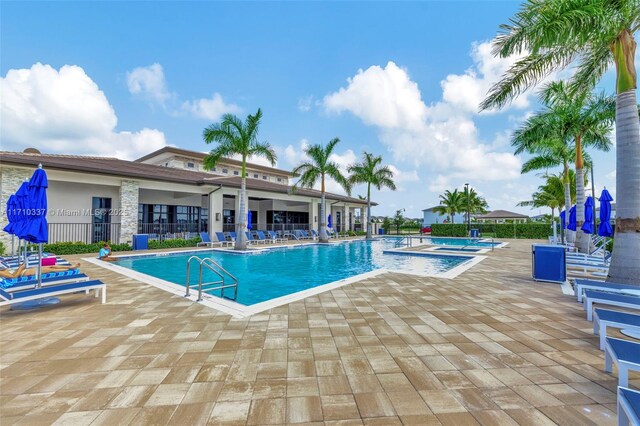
[369,236]
[241,226]
[625,267]
[323,225]
[582,239]
[567,203]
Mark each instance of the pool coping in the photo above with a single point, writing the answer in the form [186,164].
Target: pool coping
[238,310]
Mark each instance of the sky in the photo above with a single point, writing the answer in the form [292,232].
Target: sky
[398,79]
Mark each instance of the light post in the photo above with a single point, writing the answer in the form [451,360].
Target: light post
[466,190]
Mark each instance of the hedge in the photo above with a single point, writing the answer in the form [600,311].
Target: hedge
[78,248]
[501,230]
[174,243]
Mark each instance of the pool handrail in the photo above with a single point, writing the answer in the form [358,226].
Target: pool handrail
[211,265]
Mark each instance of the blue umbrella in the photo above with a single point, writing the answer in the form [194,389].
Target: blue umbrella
[329,221]
[36,229]
[249,220]
[11,215]
[604,229]
[563,219]
[573,223]
[21,196]
[587,226]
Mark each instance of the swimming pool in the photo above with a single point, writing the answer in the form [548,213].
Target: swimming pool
[269,274]
[453,241]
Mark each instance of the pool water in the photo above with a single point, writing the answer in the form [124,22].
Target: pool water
[450,241]
[268,274]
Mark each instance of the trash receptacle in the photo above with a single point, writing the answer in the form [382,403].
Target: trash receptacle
[549,263]
[141,242]
[475,233]
[381,231]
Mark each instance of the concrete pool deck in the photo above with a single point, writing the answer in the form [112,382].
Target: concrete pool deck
[488,347]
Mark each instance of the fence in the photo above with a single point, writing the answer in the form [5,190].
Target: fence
[171,228]
[84,232]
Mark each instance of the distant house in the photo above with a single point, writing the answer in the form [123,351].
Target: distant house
[501,216]
[429,216]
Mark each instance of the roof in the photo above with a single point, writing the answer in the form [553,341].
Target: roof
[132,169]
[202,155]
[502,214]
[430,209]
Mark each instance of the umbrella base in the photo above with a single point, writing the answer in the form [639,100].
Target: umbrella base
[34,304]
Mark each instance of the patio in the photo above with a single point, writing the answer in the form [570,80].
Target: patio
[489,347]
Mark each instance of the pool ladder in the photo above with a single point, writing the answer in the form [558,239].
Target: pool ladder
[402,242]
[217,269]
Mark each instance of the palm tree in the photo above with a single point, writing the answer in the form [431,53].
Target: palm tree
[451,203]
[372,172]
[592,34]
[588,119]
[476,204]
[235,137]
[551,193]
[319,167]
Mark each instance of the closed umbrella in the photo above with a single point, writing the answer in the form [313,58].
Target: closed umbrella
[604,229]
[249,220]
[587,226]
[21,206]
[35,230]
[573,223]
[329,222]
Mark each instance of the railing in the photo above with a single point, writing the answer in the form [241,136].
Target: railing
[171,228]
[404,241]
[84,232]
[218,270]
[278,227]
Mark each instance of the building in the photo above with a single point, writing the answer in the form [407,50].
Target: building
[429,217]
[168,191]
[501,216]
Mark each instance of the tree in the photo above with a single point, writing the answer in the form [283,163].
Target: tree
[235,137]
[318,166]
[476,204]
[592,34]
[398,220]
[371,172]
[588,120]
[451,203]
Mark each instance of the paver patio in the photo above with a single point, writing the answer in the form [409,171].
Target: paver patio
[489,347]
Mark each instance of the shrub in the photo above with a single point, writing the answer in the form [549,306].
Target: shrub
[501,230]
[174,243]
[78,247]
[449,230]
[1,248]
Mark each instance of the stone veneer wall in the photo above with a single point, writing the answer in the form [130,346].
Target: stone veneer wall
[129,190]
[10,180]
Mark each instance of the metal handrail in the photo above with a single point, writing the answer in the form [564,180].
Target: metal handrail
[211,265]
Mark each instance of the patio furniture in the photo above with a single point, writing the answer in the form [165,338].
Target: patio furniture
[604,298]
[27,282]
[604,318]
[625,354]
[250,238]
[628,407]
[10,298]
[580,284]
[206,241]
[275,238]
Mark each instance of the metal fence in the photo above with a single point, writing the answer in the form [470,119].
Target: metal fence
[84,232]
[171,228]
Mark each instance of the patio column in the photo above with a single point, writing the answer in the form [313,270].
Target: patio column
[314,219]
[129,190]
[346,221]
[10,180]
[215,212]
[364,219]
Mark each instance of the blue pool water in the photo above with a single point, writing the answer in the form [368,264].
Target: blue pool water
[458,242]
[273,273]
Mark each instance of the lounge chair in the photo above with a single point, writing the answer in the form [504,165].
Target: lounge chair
[580,284]
[625,354]
[32,261]
[30,281]
[232,236]
[628,407]
[206,241]
[314,234]
[10,298]
[603,318]
[250,238]
[612,299]
[274,237]
[263,238]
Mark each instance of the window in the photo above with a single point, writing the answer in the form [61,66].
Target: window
[191,165]
[279,179]
[264,177]
[236,173]
[225,171]
[255,176]
[213,169]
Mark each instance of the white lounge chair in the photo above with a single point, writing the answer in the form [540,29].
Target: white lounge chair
[603,318]
[628,407]
[625,354]
[611,299]
[581,284]
[10,298]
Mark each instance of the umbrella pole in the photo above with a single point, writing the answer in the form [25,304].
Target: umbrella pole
[13,237]
[39,265]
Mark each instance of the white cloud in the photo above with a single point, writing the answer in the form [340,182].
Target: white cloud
[295,155]
[400,176]
[442,136]
[210,108]
[149,83]
[62,111]
[304,104]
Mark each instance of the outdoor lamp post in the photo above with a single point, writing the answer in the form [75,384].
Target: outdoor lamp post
[466,189]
